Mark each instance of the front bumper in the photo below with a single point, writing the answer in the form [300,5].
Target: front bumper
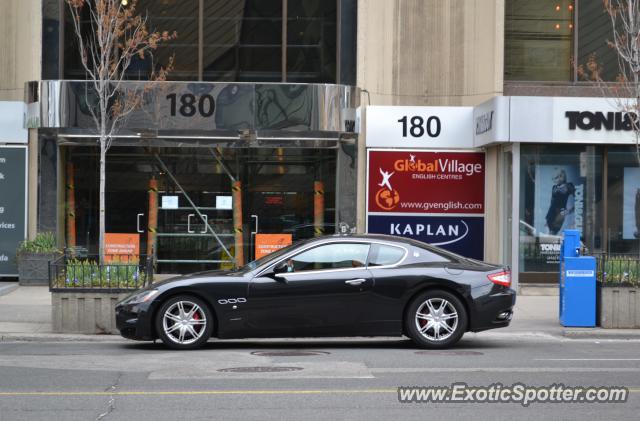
[134,321]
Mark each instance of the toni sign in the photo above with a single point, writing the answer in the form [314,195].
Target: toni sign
[435,197]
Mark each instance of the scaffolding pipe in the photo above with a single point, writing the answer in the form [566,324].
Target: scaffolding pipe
[71,206]
[236,189]
[318,208]
[153,219]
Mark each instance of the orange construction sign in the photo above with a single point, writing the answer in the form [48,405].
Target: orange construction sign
[268,243]
[125,245]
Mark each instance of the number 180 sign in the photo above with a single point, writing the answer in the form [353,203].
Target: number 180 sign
[419,127]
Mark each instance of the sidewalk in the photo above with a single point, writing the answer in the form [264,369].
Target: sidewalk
[25,314]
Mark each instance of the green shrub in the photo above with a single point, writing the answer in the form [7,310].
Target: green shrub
[619,270]
[45,242]
[83,273]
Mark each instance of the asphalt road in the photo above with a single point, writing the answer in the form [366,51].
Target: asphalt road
[339,379]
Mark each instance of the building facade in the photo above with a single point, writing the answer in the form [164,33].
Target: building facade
[253,134]
[289,99]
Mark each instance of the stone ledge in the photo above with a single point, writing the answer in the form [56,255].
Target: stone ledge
[85,312]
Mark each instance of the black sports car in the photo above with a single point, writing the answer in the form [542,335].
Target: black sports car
[359,285]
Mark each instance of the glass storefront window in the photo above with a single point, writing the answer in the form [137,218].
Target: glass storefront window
[538,40]
[560,188]
[623,200]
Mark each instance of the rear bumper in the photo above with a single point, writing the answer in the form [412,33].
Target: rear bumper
[493,310]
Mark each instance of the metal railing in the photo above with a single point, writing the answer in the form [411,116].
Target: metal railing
[117,273]
[618,269]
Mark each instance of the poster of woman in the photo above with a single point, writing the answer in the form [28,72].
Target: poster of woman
[631,204]
[555,198]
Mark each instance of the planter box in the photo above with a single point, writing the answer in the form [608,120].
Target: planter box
[33,268]
[85,312]
[619,307]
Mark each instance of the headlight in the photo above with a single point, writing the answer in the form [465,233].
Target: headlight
[140,297]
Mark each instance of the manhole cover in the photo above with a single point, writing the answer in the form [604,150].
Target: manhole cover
[458,353]
[258,369]
[288,353]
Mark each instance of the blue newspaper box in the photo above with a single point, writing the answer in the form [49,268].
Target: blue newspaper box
[577,284]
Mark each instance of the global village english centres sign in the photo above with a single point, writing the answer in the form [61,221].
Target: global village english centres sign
[435,197]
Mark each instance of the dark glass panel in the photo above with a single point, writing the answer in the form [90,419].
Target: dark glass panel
[311,39]
[538,40]
[594,30]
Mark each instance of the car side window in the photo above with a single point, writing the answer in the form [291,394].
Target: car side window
[330,256]
[429,256]
[385,255]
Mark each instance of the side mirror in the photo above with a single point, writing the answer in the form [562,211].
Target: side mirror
[281,268]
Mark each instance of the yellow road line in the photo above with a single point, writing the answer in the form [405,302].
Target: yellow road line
[216,392]
[204,392]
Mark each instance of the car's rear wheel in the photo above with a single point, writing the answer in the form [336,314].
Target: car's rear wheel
[184,322]
[435,319]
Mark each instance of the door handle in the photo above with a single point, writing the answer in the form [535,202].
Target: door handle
[138,223]
[189,230]
[355,282]
[205,219]
[255,231]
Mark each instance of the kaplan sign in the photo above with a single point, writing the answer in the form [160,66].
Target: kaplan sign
[435,197]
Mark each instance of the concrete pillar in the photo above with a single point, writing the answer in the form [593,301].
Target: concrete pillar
[32,185]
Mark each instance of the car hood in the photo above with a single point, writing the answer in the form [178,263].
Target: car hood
[198,275]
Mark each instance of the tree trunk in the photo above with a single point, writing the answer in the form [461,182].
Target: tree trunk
[102,206]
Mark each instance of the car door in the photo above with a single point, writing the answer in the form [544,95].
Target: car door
[397,270]
[323,292]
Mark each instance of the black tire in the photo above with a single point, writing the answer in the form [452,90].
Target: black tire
[453,327]
[201,322]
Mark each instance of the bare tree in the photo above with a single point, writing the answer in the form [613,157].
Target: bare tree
[108,41]
[625,24]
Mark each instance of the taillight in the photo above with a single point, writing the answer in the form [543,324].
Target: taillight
[501,278]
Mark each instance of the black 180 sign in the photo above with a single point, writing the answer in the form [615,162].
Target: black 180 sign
[188,105]
[416,126]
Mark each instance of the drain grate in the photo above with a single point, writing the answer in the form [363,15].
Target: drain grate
[453,353]
[266,369]
[288,353]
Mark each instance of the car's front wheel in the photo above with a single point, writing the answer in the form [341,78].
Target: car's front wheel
[435,319]
[184,322]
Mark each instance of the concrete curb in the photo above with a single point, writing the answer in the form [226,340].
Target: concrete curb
[9,287]
[599,333]
[59,337]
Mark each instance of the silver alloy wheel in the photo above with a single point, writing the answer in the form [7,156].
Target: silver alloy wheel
[184,322]
[436,319]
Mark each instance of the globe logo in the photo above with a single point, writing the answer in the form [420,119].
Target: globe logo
[387,199]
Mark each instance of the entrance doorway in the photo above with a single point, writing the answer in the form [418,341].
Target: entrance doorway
[194,200]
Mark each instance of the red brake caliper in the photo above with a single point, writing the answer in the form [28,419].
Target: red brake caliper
[196,316]
[422,322]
